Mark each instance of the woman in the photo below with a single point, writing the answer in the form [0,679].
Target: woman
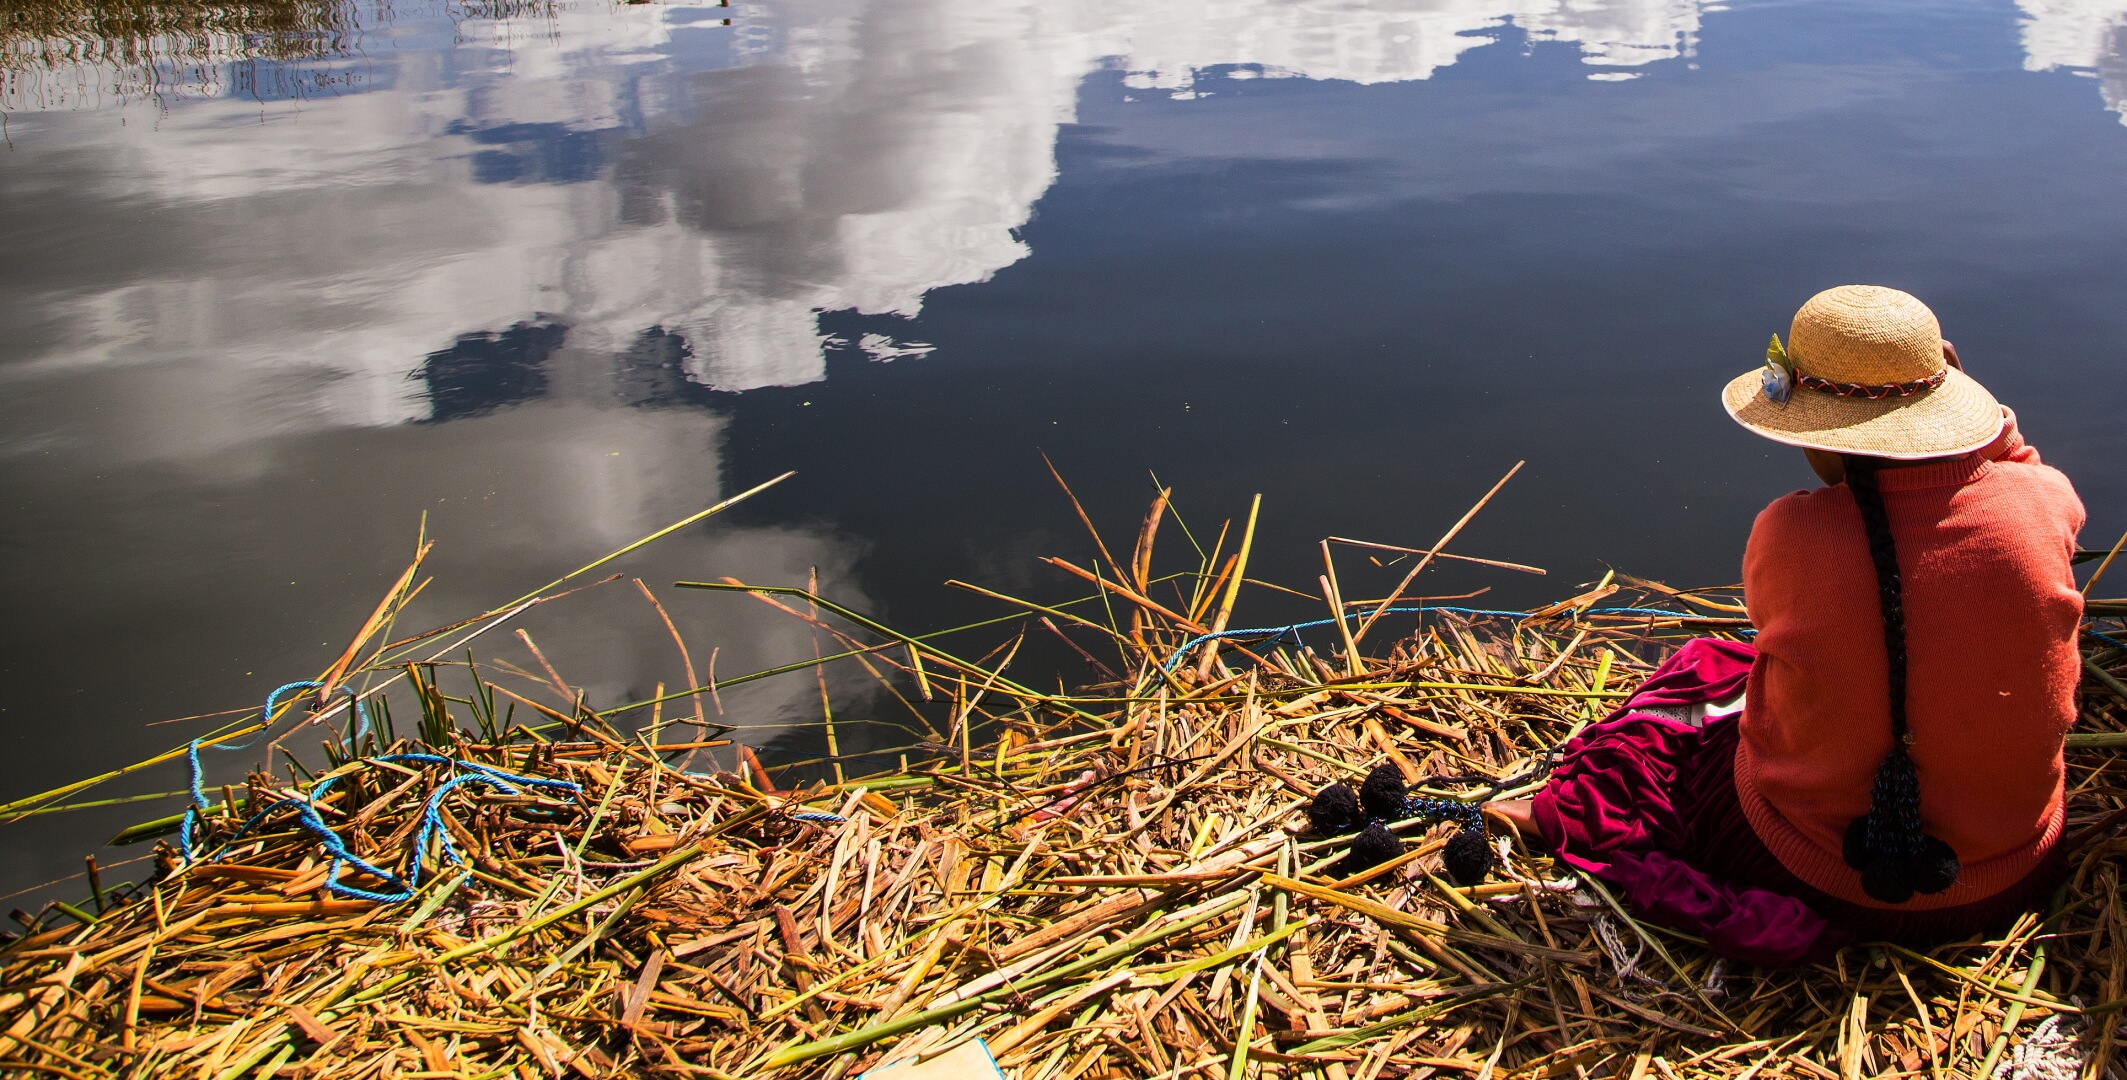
[1886,762]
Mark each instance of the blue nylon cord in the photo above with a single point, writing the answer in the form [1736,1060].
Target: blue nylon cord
[273,701]
[306,813]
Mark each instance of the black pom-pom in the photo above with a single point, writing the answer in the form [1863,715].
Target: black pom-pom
[1333,810]
[1373,846]
[1382,794]
[1468,856]
[1886,880]
[1934,869]
[1855,849]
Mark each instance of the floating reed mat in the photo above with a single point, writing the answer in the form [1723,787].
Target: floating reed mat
[1118,881]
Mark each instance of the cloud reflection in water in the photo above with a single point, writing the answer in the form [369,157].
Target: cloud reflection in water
[834,155]
[631,169]
[2088,37]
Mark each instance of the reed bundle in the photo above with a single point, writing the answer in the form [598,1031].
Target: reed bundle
[1112,882]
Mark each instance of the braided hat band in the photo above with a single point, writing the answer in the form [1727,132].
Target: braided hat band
[1873,393]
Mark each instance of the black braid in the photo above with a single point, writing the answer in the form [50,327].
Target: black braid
[1888,845]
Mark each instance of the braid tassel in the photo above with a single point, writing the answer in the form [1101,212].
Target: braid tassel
[1382,799]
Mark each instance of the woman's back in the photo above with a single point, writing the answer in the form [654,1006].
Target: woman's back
[1983,543]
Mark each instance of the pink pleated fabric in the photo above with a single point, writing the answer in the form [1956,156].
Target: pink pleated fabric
[1647,804]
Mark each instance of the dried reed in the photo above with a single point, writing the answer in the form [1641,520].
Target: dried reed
[1112,882]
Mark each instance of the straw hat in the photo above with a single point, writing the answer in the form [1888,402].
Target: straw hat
[1864,374]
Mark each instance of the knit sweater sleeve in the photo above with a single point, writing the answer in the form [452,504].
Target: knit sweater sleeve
[2063,506]
[1783,541]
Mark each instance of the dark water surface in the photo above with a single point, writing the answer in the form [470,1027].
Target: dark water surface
[277,280]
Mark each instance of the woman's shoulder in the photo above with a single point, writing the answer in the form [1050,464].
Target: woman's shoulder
[2034,475]
[2028,490]
[1804,508]
[2014,470]
[1797,528]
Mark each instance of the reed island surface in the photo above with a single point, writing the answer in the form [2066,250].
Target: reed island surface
[488,875]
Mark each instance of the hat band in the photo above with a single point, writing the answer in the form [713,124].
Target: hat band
[1873,393]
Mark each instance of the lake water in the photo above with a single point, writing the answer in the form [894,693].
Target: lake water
[282,281]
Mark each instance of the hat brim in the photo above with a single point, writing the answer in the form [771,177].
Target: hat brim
[1956,417]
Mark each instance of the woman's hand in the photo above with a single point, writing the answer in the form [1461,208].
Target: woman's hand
[1516,814]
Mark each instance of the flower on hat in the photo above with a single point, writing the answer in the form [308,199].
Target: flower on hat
[1778,378]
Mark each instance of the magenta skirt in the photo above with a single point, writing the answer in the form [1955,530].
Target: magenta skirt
[1646,802]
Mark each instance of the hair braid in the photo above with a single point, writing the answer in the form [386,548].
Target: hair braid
[1888,844]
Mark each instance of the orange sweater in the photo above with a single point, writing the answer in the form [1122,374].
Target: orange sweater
[1984,543]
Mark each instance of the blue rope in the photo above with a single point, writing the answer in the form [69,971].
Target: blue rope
[432,827]
[818,818]
[306,812]
[273,701]
[1292,630]
[199,801]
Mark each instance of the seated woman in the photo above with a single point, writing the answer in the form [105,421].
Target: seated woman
[1894,770]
